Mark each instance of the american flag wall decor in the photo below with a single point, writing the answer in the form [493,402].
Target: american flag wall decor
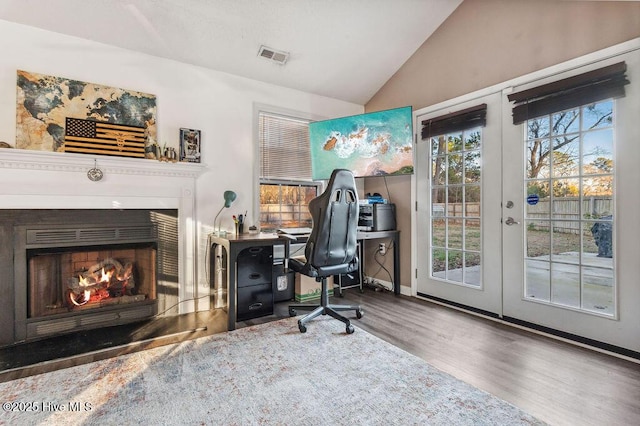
[96,137]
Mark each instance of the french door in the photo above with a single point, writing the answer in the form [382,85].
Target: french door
[458,186]
[570,251]
[552,236]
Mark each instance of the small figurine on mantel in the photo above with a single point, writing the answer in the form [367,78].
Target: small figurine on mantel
[153,151]
[165,153]
[170,155]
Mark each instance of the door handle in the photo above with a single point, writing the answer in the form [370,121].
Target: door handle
[510,221]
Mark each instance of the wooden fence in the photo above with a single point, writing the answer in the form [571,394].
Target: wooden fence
[566,212]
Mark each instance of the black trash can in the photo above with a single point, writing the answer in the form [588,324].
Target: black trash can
[601,232]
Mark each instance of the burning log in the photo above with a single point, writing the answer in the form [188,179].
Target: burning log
[105,279]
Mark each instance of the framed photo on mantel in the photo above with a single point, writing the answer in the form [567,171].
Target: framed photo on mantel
[190,145]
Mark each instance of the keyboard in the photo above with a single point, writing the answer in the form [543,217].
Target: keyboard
[295,231]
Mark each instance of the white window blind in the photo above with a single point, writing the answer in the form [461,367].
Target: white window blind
[284,147]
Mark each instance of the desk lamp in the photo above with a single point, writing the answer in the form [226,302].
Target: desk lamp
[229,197]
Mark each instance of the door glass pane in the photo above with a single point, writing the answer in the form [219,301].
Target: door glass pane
[569,185]
[566,122]
[538,128]
[472,167]
[456,207]
[566,199]
[454,169]
[565,284]
[472,200]
[454,233]
[598,289]
[565,160]
[438,168]
[565,242]
[438,263]
[597,152]
[538,279]
[538,239]
[472,235]
[454,199]
[538,159]
[472,269]
[538,199]
[598,115]
[438,232]
[454,265]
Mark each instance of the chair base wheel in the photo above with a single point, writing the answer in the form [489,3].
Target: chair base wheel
[359,313]
[302,327]
[350,329]
[292,312]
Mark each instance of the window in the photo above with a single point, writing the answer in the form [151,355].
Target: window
[285,171]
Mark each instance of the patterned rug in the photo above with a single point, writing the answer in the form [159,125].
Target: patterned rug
[260,375]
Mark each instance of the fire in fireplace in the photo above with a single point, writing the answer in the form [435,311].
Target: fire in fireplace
[83,277]
[72,279]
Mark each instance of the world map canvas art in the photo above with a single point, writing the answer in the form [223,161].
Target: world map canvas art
[373,144]
[45,102]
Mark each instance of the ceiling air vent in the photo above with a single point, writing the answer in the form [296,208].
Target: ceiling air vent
[277,56]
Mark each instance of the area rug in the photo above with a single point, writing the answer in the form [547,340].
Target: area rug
[268,374]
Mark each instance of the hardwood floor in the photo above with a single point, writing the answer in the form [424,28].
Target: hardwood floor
[558,382]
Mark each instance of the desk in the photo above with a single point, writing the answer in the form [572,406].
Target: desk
[395,237]
[232,245]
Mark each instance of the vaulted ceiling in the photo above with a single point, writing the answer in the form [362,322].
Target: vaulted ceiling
[343,49]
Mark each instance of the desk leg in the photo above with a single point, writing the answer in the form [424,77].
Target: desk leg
[231,290]
[396,265]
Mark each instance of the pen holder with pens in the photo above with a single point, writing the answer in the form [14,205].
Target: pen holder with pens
[239,221]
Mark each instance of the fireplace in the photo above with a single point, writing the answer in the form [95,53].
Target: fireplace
[48,191]
[83,277]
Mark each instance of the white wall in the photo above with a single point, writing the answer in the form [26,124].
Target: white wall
[219,104]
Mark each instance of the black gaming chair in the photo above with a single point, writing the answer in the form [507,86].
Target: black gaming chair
[332,247]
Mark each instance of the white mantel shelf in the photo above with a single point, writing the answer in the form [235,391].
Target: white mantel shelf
[12,158]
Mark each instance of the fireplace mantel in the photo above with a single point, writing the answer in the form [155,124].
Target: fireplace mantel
[69,162]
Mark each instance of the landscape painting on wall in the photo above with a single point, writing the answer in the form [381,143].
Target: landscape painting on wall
[373,144]
[45,102]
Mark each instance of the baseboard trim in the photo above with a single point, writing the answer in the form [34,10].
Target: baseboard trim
[584,342]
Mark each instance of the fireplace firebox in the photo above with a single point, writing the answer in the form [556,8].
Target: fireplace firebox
[75,279]
[83,277]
